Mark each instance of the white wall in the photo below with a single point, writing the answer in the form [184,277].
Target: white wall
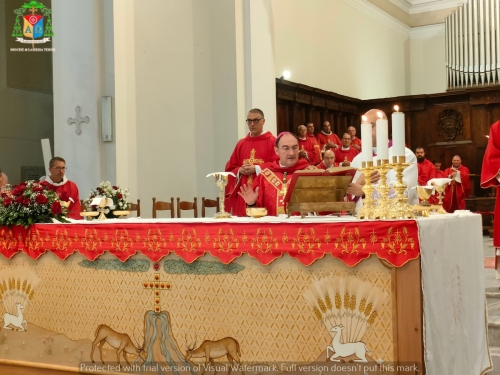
[349,47]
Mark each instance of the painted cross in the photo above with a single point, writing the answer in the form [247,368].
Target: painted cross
[157,286]
[251,160]
[78,120]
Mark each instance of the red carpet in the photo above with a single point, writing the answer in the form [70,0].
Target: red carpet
[489,262]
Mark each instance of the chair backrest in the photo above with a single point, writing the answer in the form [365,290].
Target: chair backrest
[136,207]
[163,206]
[209,203]
[185,205]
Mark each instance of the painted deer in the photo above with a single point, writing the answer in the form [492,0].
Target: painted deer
[345,350]
[15,321]
[120,341]
[215,349]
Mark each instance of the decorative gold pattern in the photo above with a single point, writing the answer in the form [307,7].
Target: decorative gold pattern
[7,239]
[397,242]
[350,242]
[155,241]
[189,241]
[225,241]
[62,241]
[121,241]
[306,241]
[91,240]
[264,241]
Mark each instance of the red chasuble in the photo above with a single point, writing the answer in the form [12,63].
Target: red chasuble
[341,155]
[249,150]
[317,149]
[456,192]
[273,185]
[489,172]
[308,146]
[323,139]
[66,191]
[426,171]
[356,141]
[323,166]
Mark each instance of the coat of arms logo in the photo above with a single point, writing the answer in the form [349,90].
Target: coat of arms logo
[33,24]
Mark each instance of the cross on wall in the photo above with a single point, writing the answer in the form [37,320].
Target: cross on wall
[78,120]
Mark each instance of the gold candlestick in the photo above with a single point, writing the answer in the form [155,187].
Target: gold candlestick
[383,203]
[367,211]
[400,209]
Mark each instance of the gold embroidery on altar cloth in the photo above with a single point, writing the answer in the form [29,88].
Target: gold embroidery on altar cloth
[397,242]
[349,241]
[188,241]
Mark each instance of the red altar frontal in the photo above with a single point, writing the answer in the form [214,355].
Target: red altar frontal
[267,295]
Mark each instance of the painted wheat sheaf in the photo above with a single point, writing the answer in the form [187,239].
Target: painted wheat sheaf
[347,301]
[17,285]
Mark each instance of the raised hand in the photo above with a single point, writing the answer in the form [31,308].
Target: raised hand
[248,194]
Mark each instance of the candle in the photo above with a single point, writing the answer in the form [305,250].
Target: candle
[382,133]
[398,133]
[366,138]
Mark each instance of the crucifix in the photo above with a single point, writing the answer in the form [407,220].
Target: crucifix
[78,120]
[251,160]
[157,286]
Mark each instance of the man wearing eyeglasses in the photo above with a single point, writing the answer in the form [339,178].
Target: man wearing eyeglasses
[270,187]
[66,189]
[249,157]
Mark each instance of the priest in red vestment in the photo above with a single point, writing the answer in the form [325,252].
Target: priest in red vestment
[328,160]
[346,153]
[355,141]
[425,167]
[314,141]
[269,188]
[326,138]
[436,173]
[66,189]
[490,174]
[459,187]
[249,157]
[306,147]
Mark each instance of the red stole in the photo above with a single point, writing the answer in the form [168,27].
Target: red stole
[317,149]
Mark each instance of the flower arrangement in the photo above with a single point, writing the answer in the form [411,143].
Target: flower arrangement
[31,202]
[115,193]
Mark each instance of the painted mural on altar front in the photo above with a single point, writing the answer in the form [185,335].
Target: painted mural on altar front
[96,315]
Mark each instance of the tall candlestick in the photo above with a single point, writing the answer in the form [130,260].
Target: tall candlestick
[382,133]
[366,138]
[398,133]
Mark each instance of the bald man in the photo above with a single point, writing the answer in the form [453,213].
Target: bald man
[328,160]
[459,188]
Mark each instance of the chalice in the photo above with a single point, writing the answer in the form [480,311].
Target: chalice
[440,186]
[221,179]
[424,193]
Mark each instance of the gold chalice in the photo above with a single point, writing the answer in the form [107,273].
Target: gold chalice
[221,179]
[440,186]
[424,193]
[256,212]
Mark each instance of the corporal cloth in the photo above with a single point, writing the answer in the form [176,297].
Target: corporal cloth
[249,150]
[67,189]
[457,190]
[489,174]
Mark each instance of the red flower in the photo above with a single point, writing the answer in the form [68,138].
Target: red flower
[18,190]
[64,196]
[119,196]
[7,202]
[26,201]
[37,189]
[19,199]
[56,208]
[41,199]
[115,187]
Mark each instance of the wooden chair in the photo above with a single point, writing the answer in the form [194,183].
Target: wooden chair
[206,203]
[184,205]
[136,207]
[163,206]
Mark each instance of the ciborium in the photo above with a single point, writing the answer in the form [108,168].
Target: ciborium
[221,179]
[440,186]
[424,193]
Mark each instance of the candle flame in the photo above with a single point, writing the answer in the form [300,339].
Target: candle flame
[364,118]
[379,114]
[396,108]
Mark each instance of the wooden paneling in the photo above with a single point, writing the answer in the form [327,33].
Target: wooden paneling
[477,108]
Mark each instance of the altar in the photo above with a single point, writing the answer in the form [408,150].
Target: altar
[270,295]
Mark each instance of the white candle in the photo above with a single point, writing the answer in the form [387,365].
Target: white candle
[382,132]
[366,138]
[398,133]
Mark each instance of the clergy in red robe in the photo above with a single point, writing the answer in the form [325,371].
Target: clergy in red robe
[66,189]
[459,188]
[328,160]
[326,138]
[345,154]
[249,157]
[269,188]
[306,147]
[425,167]
[490,174]
[355,141]
[314,141]
[436,173]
